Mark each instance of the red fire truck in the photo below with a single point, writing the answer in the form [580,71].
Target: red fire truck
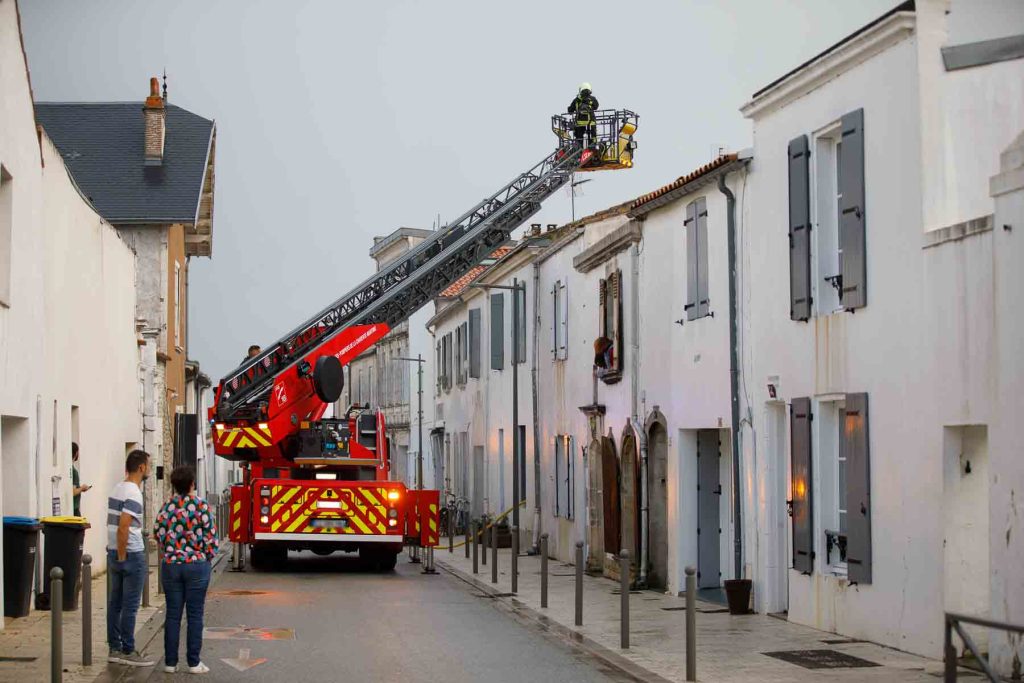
[324,484]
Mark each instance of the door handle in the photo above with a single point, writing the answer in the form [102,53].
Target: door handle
[718,491]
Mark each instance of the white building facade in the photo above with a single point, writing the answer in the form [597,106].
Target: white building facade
[875,359]
[69,352]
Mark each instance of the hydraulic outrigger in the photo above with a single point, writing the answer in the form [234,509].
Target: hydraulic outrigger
[324,484]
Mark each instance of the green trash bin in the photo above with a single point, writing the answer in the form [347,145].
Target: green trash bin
[21,541]
[64,538]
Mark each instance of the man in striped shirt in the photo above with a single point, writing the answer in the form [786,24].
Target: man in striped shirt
[126,561]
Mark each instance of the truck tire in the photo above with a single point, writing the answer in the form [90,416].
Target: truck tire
[386,562]
[268,559]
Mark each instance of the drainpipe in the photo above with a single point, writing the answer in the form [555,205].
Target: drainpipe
[535,548]
[734,390]
[641,435]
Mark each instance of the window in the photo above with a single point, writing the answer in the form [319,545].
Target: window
[560,321]
[842,486]
[696,224]
[447,362]
[565,463]
[177,305]
[826,190]
[459,345]
[462,358]
[6,234]
[474,343]
[497,331]
[520,340]
[607,351]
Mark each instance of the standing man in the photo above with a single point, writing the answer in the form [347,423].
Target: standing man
[583,106]
[126,561]
[77,487]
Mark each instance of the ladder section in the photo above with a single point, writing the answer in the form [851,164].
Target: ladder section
[394,293]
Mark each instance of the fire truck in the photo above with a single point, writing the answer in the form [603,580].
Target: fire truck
[311,482]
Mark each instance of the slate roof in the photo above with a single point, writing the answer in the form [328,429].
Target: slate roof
[102,146]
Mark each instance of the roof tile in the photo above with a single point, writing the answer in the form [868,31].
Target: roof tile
[459,286]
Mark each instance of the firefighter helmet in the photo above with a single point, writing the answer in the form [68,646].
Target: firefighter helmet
[585,86]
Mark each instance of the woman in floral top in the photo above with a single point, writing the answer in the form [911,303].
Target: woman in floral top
[187,537]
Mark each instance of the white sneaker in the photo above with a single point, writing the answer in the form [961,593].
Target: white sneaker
[199,668]
[171,669]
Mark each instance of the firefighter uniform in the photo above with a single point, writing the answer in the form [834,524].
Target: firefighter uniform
[583,106]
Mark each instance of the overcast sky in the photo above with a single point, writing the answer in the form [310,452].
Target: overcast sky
[338,121]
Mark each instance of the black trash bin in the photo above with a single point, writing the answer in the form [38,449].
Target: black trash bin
[21,541]
[64,538]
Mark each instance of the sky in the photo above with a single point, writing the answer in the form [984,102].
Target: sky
[341,120]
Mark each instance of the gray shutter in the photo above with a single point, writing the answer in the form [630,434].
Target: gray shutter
[602,297]
[691,261]
[799,230]
[464,354]
[702,258]
[554,321]
[520,340]
[497,331]
[858,489]
[563,320]
[800,465]
[619,344]
[474,342]
[853,264]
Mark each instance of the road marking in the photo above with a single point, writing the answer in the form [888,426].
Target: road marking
[244,661]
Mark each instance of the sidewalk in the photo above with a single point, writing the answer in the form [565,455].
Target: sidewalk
[29,638]
[729,648]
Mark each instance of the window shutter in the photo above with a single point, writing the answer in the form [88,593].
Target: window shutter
[438,369]
[474,342]
[800,465]
[858,489]
[852,263]
[619,347]
[558,474]
[520,340]
[602,297]
[799,230]
[464,354]
[691,261]
[555,308]
[563,321]
[702,258]
[497,331]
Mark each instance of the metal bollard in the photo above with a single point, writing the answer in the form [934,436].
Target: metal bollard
[494,554]
[469,535]
[56,624]
[476,550]
[485,536]
[579,587]
[624,586]
[86,610]
[515,559]
[544,570]
[691,624]
[451,535]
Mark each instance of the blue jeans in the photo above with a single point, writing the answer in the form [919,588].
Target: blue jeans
[123,596]
[185,588]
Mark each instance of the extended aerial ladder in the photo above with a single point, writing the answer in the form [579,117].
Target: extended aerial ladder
[301,469]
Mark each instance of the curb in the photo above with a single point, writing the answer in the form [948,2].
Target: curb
[572,637]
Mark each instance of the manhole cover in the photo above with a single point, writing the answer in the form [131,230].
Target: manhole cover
[247,633]
[239,593]
[842,641]
[713,611]
[18,659]
[821,659]
[674,609]
[619,592]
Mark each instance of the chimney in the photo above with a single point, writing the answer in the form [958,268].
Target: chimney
[534,229]
[153,114]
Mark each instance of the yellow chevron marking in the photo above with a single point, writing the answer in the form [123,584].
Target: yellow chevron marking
[236,524]
[229,437]
[257,436]
[238,506]
[359,523]
[245,442]
[295,524]
[372,498]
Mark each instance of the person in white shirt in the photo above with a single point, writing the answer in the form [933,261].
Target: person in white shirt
[126,561]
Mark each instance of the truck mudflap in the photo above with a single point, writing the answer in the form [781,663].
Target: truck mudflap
[238,521]
[423,523]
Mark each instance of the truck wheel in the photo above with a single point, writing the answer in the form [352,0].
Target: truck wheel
[386,562]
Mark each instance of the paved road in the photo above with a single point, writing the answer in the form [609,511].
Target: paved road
[354,625]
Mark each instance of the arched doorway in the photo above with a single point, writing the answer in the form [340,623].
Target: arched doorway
[610,496]
[629,494]
[657,509]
